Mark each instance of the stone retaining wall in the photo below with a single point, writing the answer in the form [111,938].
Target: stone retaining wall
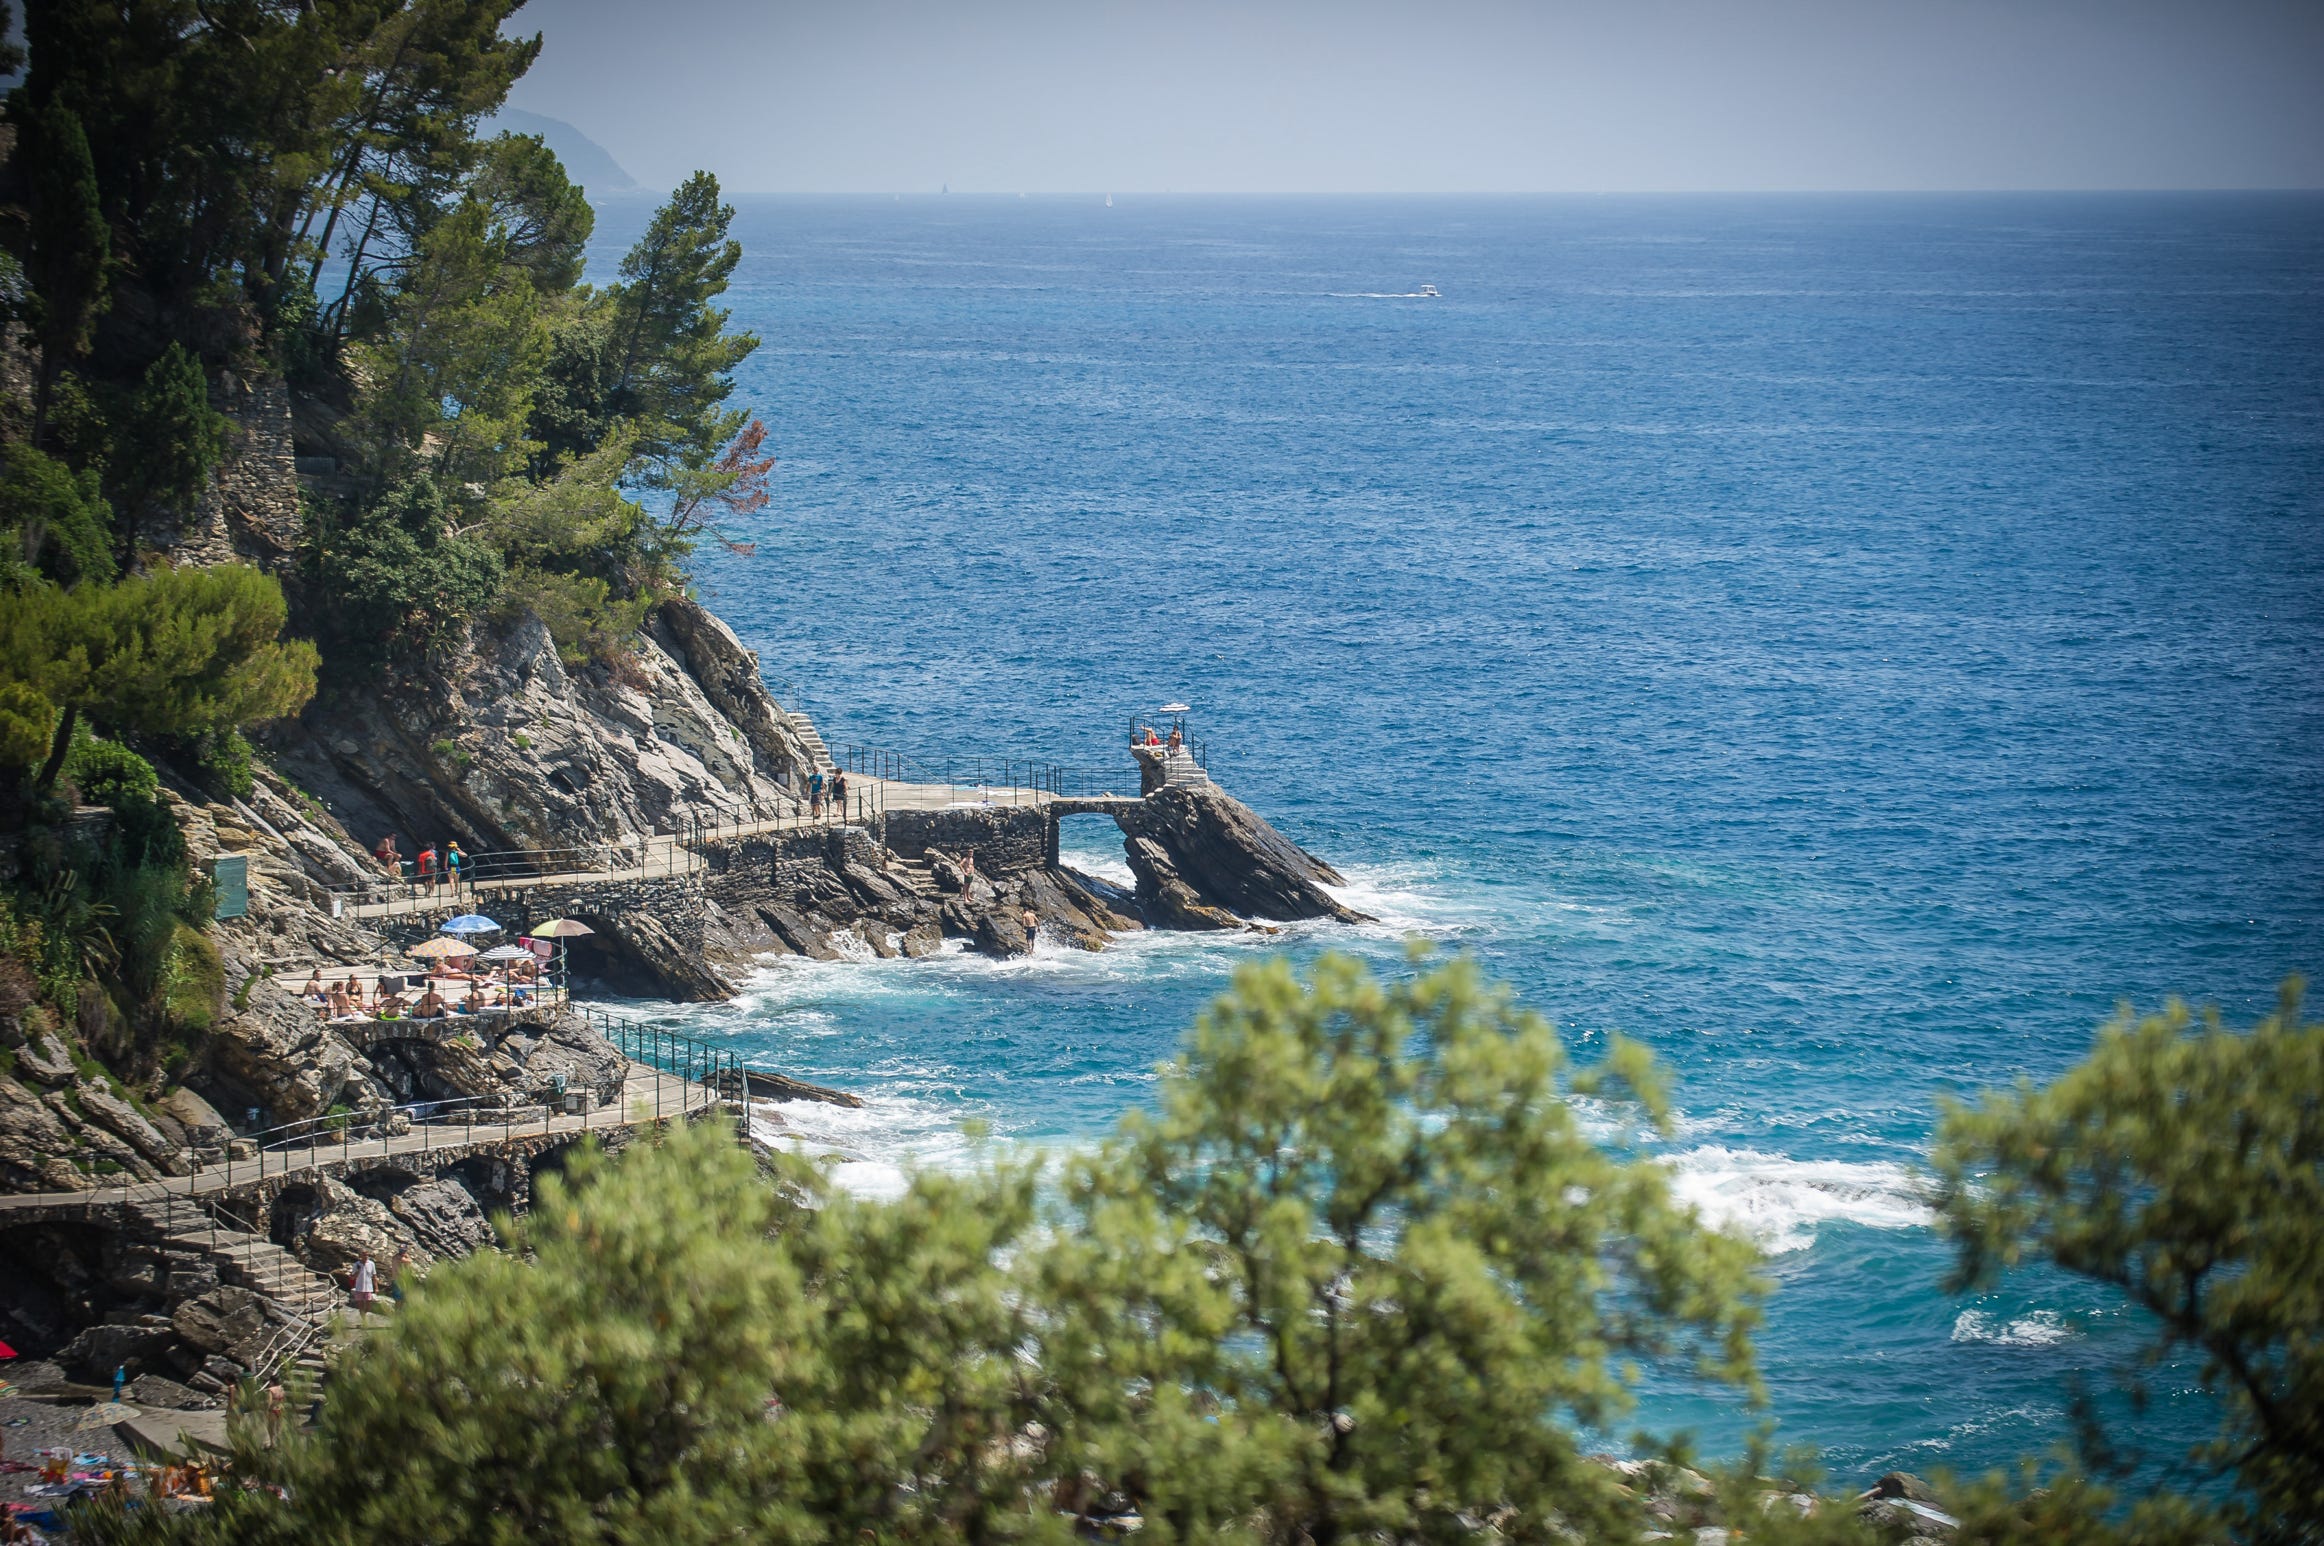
[1007,839]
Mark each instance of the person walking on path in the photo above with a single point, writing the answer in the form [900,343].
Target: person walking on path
[277,1403]
[839,794]
[427,867]
[815,793]
[363,1284]
[454,862]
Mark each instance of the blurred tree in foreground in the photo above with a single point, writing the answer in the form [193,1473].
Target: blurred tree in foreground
[2184,1164]
[1362,1275]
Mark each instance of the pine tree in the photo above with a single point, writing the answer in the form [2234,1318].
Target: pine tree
[163,464]
[70,244]
[672,358]
[178,652]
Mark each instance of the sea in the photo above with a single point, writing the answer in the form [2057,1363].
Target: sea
[1849,644]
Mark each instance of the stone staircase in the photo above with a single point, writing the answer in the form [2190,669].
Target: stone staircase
[301,1302]
[250,1261]
[917,876]
[811,738]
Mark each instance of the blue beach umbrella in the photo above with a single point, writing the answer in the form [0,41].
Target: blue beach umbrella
[470,923]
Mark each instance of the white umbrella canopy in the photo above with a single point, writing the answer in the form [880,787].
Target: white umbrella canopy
[506,953]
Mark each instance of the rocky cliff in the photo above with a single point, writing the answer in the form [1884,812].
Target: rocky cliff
[510,748]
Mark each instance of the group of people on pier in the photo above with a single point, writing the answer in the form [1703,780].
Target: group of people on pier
[433,868]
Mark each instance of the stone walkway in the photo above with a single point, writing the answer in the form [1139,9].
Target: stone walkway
[667,854]
[649,1096]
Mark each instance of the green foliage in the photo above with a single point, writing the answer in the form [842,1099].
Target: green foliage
[26,720]
[1358,1277]
[581,612]
[672,356]
[228,161]
[70,242]
[400,585]
[614,1387]
[303,349]
[79,430]
[108,773]
[175,438]
[192,984]
[229,144]
[2183,1164]
[178,652]
[453,365]
[57,518]
[224,759]
[1368,1221]
[2068,1509]
[541,218]
[572,412]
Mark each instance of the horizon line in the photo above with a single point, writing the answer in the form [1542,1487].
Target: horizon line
[643,191]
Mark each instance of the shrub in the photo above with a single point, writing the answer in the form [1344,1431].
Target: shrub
[108,773]
[58,515]
[224,759]
[193,979]
[400,586]
[27,720]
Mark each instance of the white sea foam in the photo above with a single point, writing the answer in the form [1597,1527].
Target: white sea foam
[1780,1201]
[1106,864]
[2037,1328]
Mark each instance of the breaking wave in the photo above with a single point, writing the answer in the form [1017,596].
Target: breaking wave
[1780,1202]
[2037,1328]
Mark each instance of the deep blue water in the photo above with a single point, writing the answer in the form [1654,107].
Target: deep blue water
[1847,643]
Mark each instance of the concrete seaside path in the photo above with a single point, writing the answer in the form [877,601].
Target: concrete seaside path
[668,854]
[648,1096]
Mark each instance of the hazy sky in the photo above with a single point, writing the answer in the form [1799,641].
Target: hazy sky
[1441,95]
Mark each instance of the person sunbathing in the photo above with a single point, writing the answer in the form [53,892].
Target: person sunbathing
[313,991]
[430,1006]
[474,1001]
[340,1006]
[390,1006]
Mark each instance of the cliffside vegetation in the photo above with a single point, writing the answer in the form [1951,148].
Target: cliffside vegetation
[200,198]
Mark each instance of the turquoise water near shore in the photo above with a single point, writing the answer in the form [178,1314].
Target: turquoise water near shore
[1847,644]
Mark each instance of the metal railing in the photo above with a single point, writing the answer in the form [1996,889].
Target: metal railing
[1014,780]
[718,1070]
[864,806]
[707,1076]
[497,872]
[1024,780]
